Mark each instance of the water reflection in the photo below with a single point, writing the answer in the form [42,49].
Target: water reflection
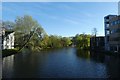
[112,63]
[61,63]
[8,64]
[83,54]
[94,63]
[113,66]
[28,65]
[97,57]
[86,54]
[0,63]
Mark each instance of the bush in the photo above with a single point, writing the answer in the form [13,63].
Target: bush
[8,52]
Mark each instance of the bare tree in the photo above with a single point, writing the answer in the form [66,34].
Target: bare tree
[94,32]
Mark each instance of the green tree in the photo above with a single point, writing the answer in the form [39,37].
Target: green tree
[8,24]
[44,42]
[65,41]
[82,41]
[25,27]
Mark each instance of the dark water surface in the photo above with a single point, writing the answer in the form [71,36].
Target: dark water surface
[61,63]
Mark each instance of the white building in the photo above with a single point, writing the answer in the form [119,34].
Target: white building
[6,39]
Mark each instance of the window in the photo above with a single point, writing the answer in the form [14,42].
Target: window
[107,38]
[115,30]
[115,22]
[107,25]
[108,32]
[118,21]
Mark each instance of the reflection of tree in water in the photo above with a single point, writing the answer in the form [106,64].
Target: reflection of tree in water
[97,57]
[86,54]
[83,54]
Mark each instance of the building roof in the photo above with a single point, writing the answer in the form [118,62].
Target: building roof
[110,16]
[98,37]
[7,32]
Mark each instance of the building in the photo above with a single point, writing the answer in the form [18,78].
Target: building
[107,30]
[112,32]
[97,43]
[6,39]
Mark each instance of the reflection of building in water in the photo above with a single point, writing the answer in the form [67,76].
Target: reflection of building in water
[8,64]
[97,57]
[113,70]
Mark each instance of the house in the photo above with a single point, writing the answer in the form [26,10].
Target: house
[6,38]
[97,43]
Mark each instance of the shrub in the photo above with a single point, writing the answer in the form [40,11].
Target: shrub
[8,52]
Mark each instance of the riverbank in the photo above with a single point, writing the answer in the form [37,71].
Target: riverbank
[9,52]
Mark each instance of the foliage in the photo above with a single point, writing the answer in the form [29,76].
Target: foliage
[30,34]
[25,27]
[82,41]
[8,24]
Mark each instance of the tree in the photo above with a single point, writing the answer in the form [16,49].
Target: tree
[8,24]
[82,41]
[55,41]
[65,41]
[26,24]
[24,27]
[94,32]
[44,42]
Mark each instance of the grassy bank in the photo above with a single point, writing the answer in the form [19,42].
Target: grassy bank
[8,52]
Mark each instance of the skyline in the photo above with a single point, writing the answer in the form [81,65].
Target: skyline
[63,18]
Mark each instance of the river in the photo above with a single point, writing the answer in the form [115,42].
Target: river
[61,63]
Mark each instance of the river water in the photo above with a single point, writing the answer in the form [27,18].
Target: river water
[61,63]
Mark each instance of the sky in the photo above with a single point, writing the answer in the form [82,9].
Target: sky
[63,18]
[60,0]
